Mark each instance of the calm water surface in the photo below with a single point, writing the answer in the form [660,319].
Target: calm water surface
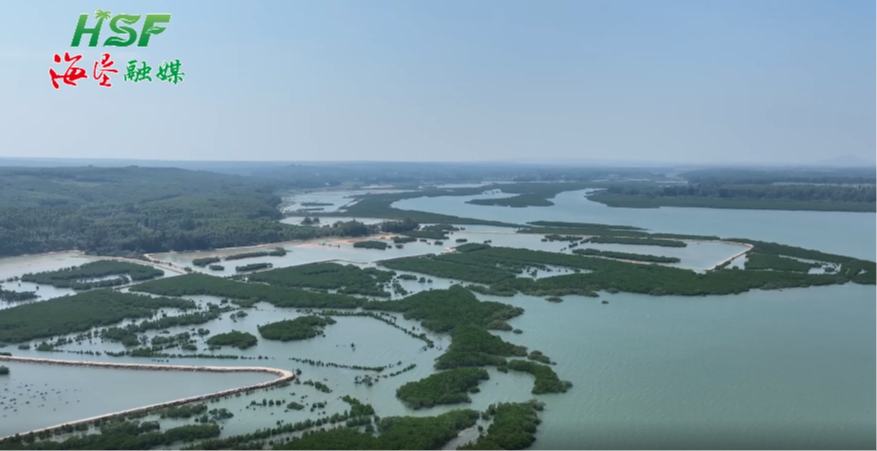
[35,396]
[767,369]
[18,266]
[842,233]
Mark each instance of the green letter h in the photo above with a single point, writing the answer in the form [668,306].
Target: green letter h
[80,30]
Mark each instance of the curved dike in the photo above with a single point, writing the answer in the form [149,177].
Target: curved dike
[282,376]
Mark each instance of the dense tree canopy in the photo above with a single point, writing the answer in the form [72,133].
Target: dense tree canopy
[245,293]
[81,277]
[513,426]
[446,387]
[300,328]
[347,279]
[443,310]
[79,313]
[120,435]
[472,345]
[752,191]
[134,210]
[237,339]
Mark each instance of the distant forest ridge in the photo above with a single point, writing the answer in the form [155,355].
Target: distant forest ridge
[827,190]
[135,210]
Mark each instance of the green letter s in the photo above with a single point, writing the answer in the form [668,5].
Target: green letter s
[132,35]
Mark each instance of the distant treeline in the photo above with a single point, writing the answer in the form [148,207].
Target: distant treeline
[774,197]
[131,211]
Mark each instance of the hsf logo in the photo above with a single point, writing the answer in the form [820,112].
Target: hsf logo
[119,24]
[149,28]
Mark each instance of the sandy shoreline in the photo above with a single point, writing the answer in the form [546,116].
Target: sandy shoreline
[283,376]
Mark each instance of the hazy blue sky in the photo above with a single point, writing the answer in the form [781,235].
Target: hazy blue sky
[693,81]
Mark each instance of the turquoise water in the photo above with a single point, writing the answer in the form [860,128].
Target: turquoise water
[34,396]
[335,199]
[842,233]
[18,266]
[791,369]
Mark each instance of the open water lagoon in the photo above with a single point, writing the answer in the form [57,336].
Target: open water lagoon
[790,369]
[316,202]
[35,395]
[843,233]
[18,266]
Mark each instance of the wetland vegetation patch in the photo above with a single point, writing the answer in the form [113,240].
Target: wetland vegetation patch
[300,328]
[80,312]
[443,310]
[17,296]
[237,339]
[82,277]
[446,387]
[246,294]
[373,244]
[546,379]
[472,345]
[513,426]
[636,241]
[627,256]
[347,279]
[616,275]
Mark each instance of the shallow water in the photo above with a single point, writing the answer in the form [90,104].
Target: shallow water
[697,255]
[35,396]
[841,233]
[300,253]
[18,266]
[790,369]
[335,199]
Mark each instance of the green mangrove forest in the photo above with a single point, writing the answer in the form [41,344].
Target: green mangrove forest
[498,267]
[445,387]
[236,339]
[379,245]
[80,277]
[79,313]
[246,294]
[346,279]
[17,296]
[300,328]
[627,256]
[636,241]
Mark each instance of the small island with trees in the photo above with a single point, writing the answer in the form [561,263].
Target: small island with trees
[236,339]
[380,245]
[300,328]
[97,274]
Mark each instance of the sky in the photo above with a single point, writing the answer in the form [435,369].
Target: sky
[699,81]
